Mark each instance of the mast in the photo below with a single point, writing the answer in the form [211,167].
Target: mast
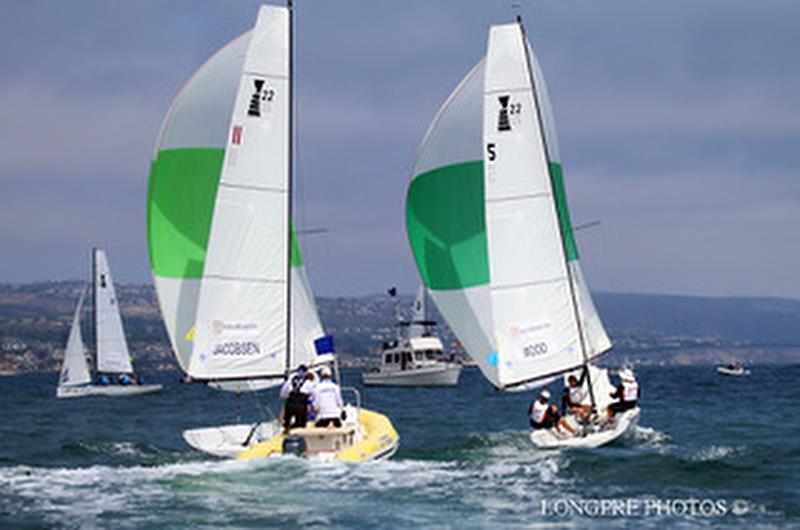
[94,310]
[558,214]
[289,201]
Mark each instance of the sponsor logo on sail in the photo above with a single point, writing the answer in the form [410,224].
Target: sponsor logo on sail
[261,93]
[254,109]
[503,123]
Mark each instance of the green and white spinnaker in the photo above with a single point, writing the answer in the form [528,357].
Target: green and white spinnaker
[488,224]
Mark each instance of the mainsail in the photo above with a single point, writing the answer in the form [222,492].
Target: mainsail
[489,227]
[112,348]
[218,207]
[75,370]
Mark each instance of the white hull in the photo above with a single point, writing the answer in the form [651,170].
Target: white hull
[228,441]
[105,390]
[735,371]
[550,439]
[444,374]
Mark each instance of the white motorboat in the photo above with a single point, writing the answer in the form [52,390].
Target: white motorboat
[416,357]
[230,278]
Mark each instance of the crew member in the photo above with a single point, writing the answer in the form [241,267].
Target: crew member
[327,398]
[295,408]
[574,397]
[543,415]
[627,392]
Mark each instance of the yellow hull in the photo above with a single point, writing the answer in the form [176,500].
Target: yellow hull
[379,440]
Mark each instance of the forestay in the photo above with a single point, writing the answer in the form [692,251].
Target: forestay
[75,370]
[112,348]
[488,223]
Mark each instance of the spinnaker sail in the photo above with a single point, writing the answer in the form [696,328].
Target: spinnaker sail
[488,224]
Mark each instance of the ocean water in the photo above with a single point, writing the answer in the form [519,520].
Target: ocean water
[709,452]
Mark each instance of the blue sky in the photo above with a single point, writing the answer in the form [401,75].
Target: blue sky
[678,125]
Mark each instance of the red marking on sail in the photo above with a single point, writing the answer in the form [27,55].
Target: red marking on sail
[236,137]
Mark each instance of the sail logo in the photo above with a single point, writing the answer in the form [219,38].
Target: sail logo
[219,327]
[260,94]
[103,281]
[237,348]
[535,350]
[503,122]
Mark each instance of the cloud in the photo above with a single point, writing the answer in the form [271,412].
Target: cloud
[678,125]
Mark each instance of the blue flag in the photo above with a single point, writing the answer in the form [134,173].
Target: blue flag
[324,345]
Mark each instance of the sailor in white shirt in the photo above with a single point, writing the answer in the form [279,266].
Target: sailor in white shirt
[327,399]
[627,392]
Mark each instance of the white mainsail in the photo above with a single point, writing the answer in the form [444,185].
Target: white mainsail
[75,370]
[112,348]
[243,312]
[488,223]
[533,314]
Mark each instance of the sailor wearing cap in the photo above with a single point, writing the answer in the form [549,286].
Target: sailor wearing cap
[543,415]
[327,398]
[627,392]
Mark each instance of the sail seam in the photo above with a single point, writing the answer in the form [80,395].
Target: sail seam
[252,187]
[506,90]
[511,198]
[528,284]
[261,74]
[242,279]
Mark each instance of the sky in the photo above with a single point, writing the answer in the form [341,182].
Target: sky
[678,122]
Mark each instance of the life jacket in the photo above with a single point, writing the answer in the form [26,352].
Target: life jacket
[577,395]
[539,411]
[297,396]
[630,391]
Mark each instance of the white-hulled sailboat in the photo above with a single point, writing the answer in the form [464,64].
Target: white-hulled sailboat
[115,375]
[227,266]
[488,224]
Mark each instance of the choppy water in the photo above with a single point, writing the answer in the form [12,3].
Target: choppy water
[465,461]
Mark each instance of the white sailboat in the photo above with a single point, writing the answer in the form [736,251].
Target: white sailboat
[115,375]
[489,227]
[227,266]
[416,357]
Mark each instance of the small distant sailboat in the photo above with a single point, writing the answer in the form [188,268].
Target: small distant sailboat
[487,221]
[733,369]
[229,275]
[416,357]
[115,375]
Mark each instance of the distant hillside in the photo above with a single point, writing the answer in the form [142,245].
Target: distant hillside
[35,318]
[760,321]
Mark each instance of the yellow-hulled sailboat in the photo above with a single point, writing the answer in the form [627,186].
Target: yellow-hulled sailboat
[226,262]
